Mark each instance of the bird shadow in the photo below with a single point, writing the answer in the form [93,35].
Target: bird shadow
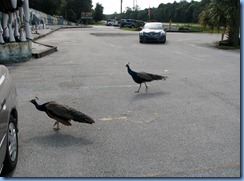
[147,95]
[57,139]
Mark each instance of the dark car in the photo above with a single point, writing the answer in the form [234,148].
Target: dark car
[153,32]
[131,23]
[8,123]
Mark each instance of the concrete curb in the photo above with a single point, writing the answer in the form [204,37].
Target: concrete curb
[43,35]
[50,49]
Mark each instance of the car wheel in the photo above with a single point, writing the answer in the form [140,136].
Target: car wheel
[141,41]
[11,157]
[164,40]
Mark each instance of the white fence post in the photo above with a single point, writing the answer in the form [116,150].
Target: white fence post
[21,17]
[5,26]
[11,33]
[16,28]
[27,19]
[1,34]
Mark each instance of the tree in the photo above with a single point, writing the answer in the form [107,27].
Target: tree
[213,16]
[47,6]
[232,11]
[183,11]
[223,13]
[70,9]
[98,12]
[76,7]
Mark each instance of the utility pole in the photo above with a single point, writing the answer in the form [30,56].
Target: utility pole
[121,9]
[121,12]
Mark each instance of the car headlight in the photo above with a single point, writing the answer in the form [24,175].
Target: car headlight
[162,33]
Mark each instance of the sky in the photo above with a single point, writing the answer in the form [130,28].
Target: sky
[111,6]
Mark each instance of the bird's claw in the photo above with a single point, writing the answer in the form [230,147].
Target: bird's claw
[56,129]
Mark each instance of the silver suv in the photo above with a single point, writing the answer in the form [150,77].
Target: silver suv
[8,122]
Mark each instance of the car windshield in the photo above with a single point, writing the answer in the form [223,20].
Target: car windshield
[153,26]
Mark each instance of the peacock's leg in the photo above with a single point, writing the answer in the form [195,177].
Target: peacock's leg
[56,123]
[146,86]
[138,89]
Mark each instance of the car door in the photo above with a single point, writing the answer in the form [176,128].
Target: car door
[4,92]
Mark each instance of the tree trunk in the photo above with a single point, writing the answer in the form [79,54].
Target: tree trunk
[236,31]
[235,27]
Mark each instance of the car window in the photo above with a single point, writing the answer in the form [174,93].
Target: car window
[153,26]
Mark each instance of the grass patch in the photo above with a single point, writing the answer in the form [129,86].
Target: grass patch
[194,27]
[222,47]
[130,29]
[198,28]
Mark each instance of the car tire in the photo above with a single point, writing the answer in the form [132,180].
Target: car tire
[164,40]
[11,156]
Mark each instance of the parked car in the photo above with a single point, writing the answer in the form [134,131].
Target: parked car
[153,31]
[8,122]
[112,22]
[116,23]
[109,22]
[131,23]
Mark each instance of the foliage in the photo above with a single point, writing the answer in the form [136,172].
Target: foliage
[73,9]
[70,9]
[98,12]
[182,11]
[222,47]
[47,6]
[131,29]
[225,14]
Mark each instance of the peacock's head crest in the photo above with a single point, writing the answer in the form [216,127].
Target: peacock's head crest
[34,100]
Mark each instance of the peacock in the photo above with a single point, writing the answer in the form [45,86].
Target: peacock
[143,77]
[62,113]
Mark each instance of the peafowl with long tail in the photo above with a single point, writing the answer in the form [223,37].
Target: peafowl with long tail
[62,113]
[143,77]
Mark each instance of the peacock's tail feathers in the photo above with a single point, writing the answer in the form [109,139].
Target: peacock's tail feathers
[82,118]
[158,77]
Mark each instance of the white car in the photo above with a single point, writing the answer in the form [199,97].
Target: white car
[8,122]
[109,22]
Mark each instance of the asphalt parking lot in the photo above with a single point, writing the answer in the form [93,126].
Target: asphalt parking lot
[186,126]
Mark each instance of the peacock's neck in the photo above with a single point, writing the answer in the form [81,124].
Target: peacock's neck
[131,72]
[39,107]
